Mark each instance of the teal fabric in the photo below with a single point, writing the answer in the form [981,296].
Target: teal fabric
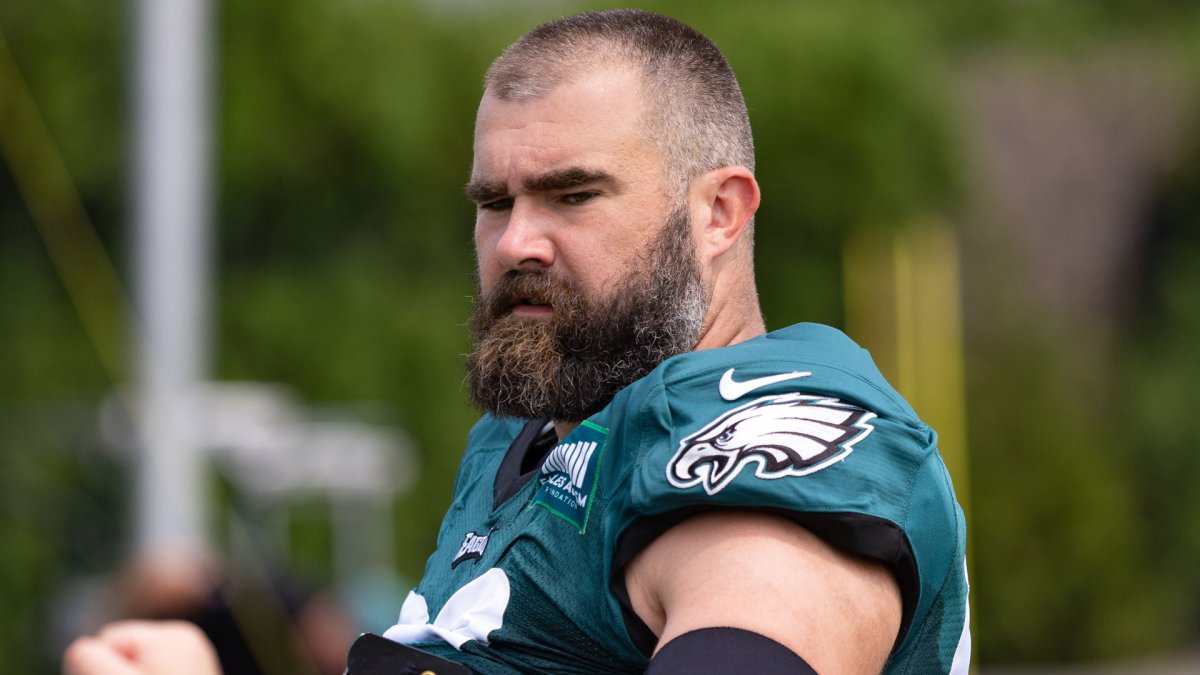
[556,538]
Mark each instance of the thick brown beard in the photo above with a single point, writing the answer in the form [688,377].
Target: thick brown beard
[570,365]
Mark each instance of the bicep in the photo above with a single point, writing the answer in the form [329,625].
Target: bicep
[764,573]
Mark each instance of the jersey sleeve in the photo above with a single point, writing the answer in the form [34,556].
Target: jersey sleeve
[835,450]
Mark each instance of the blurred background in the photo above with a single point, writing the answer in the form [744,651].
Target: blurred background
[1000,199]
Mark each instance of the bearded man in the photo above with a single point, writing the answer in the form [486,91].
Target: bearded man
[658,485]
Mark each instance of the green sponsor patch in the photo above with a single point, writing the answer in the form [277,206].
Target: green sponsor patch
[569,475]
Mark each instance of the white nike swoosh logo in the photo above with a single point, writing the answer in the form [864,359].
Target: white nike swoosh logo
[731,390]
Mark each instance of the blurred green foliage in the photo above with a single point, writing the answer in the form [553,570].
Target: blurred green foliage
[343,139]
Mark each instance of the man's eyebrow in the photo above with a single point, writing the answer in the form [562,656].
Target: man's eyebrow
[483,191]
[564,179]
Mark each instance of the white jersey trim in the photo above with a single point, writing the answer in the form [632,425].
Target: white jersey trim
[962,653]
[474,611]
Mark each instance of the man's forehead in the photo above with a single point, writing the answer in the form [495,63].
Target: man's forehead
[591,125]
[594,98]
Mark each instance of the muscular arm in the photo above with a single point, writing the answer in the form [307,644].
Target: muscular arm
[766,574]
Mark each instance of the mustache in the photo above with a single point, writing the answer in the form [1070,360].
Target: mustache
[524,287]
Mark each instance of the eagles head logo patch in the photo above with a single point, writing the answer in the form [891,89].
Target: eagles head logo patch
[785,435]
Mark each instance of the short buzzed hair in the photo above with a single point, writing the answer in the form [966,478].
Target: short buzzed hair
[695,114]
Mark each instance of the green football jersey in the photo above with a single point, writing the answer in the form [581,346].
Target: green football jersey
[528,575]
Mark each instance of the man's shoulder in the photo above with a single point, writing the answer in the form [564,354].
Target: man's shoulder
[803,344]
[801,423]
[811,358]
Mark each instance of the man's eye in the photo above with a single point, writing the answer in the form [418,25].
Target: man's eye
[497,205]
[577,198]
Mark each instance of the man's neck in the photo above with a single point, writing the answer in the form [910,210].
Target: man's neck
[563,429]
[747,323]
[734,314]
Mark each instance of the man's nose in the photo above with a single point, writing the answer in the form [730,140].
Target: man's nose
[526,242]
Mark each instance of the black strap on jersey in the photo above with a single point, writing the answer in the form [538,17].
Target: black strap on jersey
[718,651]
[523,459]
[374,655]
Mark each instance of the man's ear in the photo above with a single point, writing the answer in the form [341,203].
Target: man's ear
[724,200]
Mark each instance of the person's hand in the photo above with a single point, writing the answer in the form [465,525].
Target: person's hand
[143,648]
